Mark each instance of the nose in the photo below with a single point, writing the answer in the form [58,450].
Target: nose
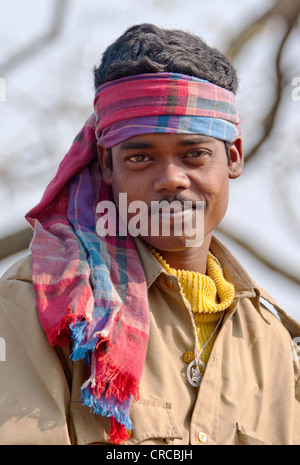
[171,178]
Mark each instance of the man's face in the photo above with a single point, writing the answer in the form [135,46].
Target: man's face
[157,167]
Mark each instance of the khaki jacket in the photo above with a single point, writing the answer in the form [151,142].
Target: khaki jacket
[250,392]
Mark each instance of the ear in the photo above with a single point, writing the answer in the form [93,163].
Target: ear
[105,164]
[236,162]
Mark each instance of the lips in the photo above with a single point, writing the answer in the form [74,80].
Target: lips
[178,214]
[175,207]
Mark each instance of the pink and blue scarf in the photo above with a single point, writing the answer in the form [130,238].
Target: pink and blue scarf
[90,290]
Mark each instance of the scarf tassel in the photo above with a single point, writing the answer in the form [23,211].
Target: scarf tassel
[120,423]
[118,433]
[109,377]
[60,334]
[107,384]
[113,381]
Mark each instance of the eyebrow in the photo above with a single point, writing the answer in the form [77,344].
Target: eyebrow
[128,144]
[197,140]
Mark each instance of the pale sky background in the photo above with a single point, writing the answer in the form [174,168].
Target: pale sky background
[50,95]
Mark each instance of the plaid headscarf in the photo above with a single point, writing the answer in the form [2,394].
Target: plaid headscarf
[164,103]
[91,290]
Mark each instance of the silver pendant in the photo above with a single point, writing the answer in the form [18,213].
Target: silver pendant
[194,374]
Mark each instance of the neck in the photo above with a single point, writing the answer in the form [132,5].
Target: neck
[191,259]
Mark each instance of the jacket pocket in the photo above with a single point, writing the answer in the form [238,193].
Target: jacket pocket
[153,422]
[244,437]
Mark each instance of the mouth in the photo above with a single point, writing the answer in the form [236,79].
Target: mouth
[175,214]
[176,207]
[180,216]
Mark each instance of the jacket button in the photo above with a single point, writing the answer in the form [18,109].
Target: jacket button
[202,437]
[169,282]
[188,357]
[168,440]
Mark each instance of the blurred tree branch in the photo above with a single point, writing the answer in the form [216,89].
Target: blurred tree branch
[289,11]
[37,44]
[259,255]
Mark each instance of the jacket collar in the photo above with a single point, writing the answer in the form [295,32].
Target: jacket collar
[232,269]
[234,272]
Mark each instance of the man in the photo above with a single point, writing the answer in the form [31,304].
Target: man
[146,338]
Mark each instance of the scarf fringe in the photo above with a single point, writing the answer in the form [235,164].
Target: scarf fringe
[109,381]
[118,433]
[60,335]
[115,384]
[120,424]
[81,350]
[109,378]
[98,407]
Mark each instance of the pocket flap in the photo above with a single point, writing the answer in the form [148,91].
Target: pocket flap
[244,437]
[152,423]
[152,420]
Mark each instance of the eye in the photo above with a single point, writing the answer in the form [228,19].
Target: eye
[138,158]
[198,154]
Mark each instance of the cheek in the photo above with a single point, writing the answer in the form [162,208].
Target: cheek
[128,196]
[223,190]
[130,192]
[120,184]
[214,184]
[217,194]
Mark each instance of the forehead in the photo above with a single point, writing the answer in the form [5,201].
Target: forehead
[149,141]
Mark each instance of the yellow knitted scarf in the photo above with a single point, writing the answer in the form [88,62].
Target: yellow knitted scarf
[208,295]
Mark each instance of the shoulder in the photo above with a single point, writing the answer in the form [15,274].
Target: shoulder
[270,328]
[257,304]
[16,289]
[20,270]
[276,315]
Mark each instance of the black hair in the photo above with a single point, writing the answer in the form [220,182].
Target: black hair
[146,48]
[227,149]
